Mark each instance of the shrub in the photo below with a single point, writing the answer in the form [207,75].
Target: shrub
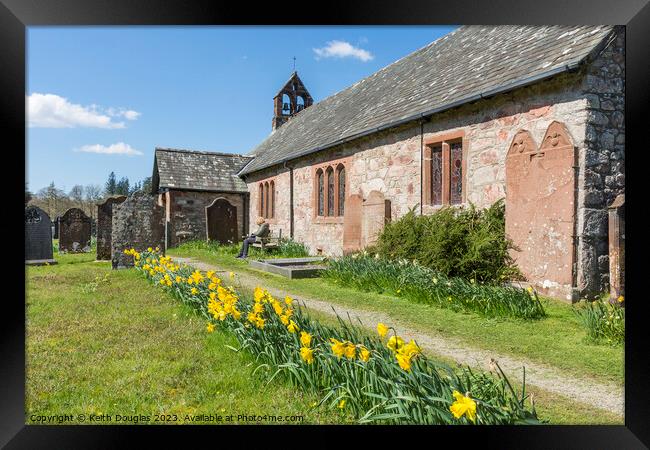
[603,321]
[468,243]
[423,285]
[366,376]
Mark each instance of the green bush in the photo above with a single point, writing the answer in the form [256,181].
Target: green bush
[468,243]
[423,285]
[604,322]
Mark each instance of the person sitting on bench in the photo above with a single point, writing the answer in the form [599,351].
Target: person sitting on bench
[262,232]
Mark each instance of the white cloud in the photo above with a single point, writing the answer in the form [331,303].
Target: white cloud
[342,49]
[114,149]
[53,111]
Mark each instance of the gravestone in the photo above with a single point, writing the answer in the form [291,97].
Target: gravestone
[138,222]
[540,213]
[38,237]
[352,224]
[74,231]
[105,226]
[376,214]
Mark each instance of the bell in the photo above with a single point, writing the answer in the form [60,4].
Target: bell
[285,107]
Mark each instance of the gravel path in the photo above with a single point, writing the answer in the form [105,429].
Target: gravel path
[608,397]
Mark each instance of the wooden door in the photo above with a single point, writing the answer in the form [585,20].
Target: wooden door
[221,221]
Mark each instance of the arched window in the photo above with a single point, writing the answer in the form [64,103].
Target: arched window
[260,203]
[320,194]
[272,200]
[341,185]
[286,105]
[300,103]
[267,198]
[330,191]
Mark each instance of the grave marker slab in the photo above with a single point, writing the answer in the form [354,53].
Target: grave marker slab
[74,231]
[38,237]
[105,226]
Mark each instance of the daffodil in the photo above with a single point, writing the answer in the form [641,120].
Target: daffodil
[620,299]
[364,354]
[338,347]
[288,300]
[342,404]
[307,354]
[305,339]
[194,291]
[463,405]
[292,327]
[210,327]
[350,350]
[394,343]
[382,329]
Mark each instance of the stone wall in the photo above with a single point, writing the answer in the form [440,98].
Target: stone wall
[105,226]
[589,103]
[186,214]
[138,222]
[603,162]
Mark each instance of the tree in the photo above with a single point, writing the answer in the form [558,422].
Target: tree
[93,194]
[52,200]
[122,187]
[111,185]
[146,185]
[136,187]
[77,195]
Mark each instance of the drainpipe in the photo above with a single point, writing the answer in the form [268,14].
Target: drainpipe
[421,163]
[290,198]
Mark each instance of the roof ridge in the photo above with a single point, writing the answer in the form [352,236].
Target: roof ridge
[201,152]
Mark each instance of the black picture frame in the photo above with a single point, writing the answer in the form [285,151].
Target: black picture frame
[16,15]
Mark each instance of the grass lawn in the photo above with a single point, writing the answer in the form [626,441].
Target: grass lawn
[124,347]
[558,340]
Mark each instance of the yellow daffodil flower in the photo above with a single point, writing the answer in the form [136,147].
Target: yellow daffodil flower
[463,405]
[394,343]
[382,329]
[342,404]
[350,350]
[307,354]
[210,327]
[338,347]
[292,327]
[364,354]
[194,291]
[305,339]
[288,300]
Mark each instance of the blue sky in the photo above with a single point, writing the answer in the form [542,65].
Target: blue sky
[100,99]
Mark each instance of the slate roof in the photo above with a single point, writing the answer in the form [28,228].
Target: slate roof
[198,170]
[470,63]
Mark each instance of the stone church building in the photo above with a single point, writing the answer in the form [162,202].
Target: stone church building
[530,113]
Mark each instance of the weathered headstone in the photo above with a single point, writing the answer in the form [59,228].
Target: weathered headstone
[540,215]
[138,222]
[74,231]
[352,224]
[105,226]
[376,214]
[38,237]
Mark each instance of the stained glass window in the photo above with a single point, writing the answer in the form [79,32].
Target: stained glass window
[456,179]
[436,175]
[266,196]
[261,208]
[330,191]
[321,192]
[341,191]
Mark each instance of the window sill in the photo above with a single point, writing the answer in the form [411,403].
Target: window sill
[430,209]
[333,219]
